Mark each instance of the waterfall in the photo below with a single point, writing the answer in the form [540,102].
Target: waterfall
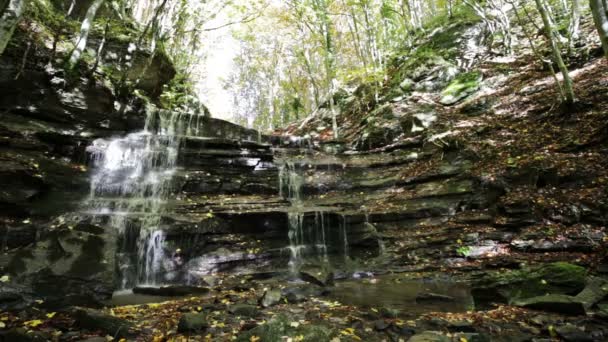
[307,227]
[131,182]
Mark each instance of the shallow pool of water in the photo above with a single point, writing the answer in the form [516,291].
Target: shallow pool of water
[404,295]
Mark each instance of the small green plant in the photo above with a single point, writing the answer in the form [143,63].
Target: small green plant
[464,251]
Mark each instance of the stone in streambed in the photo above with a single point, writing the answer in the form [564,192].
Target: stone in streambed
[388,312]
[571,333]
[318,278]
[244,310]
[381,325]
[280,325]
[555,278]
[270,298]
[96,320]
[554,303]
[594,292]
[192,322]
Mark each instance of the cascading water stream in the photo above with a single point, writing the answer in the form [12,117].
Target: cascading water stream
[308,235]
[131,183]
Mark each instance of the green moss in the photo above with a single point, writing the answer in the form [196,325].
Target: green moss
[281,326]
[463,82]
[554,278]
[462,86]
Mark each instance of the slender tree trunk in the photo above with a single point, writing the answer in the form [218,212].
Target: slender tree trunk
[9,18]
[85,28]
[100,51]
[576,21]
[600,17]
[557,57]
[315,86]
[538,55]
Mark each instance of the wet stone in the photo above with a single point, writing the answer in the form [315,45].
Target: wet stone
[554,303]
[571,333]
[270,298]
[244,310]
[192,322]
[98,321]
[381,325]
[388,312]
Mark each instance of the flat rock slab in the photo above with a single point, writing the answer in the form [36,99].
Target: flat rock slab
[171,291]
[554,303]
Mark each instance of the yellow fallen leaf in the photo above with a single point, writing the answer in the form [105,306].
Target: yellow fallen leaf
[2,325]
[254,339]
[51,314]
[5,279]
[33,323]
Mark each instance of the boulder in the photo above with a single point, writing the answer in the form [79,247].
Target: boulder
[594,292]
[557,278]
[270,298]
[319,278]
[244,310]
[280,326]
[94,320]
[192,323]
[571,333]
[557,303]
[461,87]
[388,312]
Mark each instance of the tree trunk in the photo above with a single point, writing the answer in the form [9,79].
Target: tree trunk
[557,57]
[8,21]
[600,18]
[576,20]
[85,28]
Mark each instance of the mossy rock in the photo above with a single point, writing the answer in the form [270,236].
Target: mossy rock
[553,278]
[281,326]
[461,87]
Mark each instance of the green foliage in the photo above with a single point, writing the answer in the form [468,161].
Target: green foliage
[463,251]
[463,82]
[179,93]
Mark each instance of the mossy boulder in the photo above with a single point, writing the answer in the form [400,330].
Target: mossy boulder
[553,278]
[280,326]
[192,322]
[461,87]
